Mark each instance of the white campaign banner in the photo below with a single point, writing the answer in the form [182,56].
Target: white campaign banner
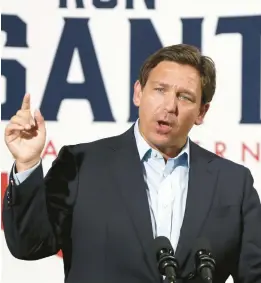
[79,59]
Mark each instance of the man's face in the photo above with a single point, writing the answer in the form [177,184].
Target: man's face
[169,104]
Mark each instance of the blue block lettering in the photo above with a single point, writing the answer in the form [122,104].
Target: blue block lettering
[192,32]
[76,34]
[250,29]
[12,70]
[105,4]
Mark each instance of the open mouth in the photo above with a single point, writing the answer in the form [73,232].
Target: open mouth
[163,123]
[164,127]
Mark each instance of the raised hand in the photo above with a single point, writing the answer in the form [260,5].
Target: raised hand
[25,136]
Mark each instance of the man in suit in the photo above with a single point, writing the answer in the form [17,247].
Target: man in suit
[102,203]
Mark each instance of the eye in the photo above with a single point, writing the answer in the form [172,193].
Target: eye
[184,96]
[159,89]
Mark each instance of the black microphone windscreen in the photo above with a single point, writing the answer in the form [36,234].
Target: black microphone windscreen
[162,242]
[166,261]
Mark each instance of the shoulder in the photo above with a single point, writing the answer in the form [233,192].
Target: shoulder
[225,166]
[100,147]
[233,180]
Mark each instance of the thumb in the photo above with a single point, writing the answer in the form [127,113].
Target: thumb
[39,119]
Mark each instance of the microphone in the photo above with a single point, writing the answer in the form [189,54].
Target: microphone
[204,260]
[167,263]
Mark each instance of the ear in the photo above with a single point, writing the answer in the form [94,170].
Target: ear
[137,94]
[202,112]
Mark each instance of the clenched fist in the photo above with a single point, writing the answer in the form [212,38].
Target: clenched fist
[25,136]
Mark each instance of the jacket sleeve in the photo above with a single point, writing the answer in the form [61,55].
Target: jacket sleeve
[18,178]
[37,213]
[249,267]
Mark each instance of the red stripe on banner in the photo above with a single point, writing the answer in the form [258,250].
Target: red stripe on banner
[4,184]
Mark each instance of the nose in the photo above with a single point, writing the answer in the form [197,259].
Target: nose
[170,102]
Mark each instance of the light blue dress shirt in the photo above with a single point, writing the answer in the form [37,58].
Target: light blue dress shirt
[167,187]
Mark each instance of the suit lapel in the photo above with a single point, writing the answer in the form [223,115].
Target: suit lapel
[201,188]
[128,172]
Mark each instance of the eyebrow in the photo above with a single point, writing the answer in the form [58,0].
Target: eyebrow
[161,84]
[180,89]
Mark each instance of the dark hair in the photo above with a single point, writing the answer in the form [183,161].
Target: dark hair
[187,55]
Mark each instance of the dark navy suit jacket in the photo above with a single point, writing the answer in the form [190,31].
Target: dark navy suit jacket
[93,206]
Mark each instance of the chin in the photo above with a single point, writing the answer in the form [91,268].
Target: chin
[161,140]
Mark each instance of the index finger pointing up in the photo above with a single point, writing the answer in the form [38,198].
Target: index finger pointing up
[26,102]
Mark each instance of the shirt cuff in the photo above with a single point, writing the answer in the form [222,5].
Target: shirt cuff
[22,176]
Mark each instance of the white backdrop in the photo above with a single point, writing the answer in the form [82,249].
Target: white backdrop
[110,31]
